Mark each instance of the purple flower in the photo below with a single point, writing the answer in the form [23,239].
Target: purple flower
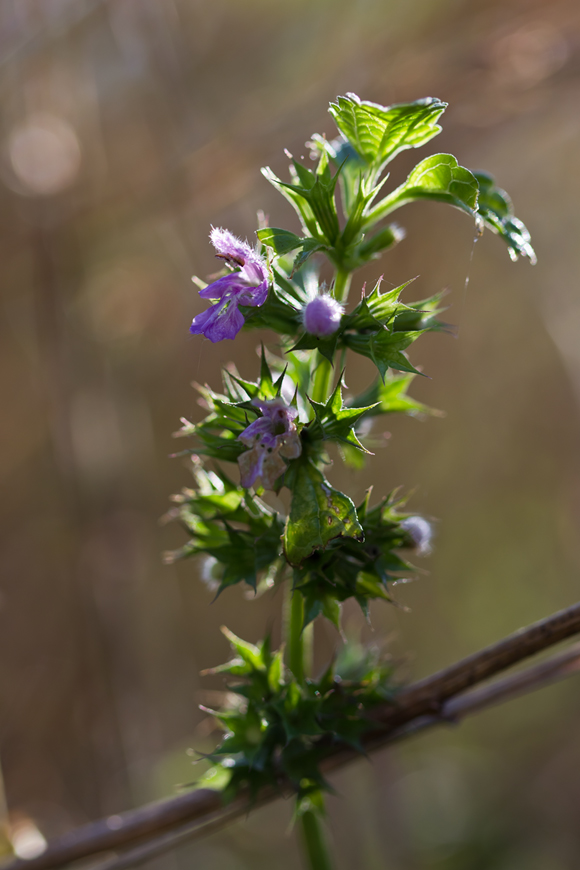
[246,286]
[322,316]
[272,438]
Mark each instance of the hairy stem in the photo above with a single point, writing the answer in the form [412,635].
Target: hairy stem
[315,842]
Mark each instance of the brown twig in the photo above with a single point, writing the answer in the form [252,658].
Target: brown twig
[556,668]
[423,704]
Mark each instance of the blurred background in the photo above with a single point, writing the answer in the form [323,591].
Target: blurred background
[127,128]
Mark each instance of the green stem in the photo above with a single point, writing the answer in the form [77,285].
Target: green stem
[294,635]
[341,285]
[322,380]
[315,842]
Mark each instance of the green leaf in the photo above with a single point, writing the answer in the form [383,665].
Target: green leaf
[313,198]
[373,246]
[496,210]
[276,670]
[247,651]
[379,133]
[281,241]
[298,202]
[309,247]
[278,313]
[439,178]
[335,421]
[326,346]
[208,513]
[377,308]
[390,397]
[384,348]
[318,514]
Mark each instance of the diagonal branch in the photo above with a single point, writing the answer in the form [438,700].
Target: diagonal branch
[556,668]
[433,700]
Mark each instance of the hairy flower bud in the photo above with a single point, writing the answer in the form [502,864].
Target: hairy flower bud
[322,315]
[421,532]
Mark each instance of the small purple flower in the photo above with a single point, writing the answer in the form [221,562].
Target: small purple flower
[272,438]
[246,286]
[322,316]
[421,533]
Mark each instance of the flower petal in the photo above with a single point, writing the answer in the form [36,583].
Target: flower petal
[254,296]
[260,428]
[222,320]
[228,245]
[223,285]
[272,467]
[250,464]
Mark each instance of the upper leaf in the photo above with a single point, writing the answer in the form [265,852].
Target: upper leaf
[379,133]
[438,177]
[496,209]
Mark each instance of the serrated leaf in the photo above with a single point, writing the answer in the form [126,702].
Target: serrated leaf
[384,348]
[318,514]
[496,210]
[390,397]
[326,346]
[250,653]
[378,133]
[335,421]
[439,178]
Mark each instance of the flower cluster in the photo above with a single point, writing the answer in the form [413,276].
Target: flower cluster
[247,285]
[272,438]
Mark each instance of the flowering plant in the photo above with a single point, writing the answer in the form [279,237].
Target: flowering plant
[276,431]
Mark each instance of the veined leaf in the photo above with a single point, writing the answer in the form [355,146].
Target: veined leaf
[438,177]
[379,133]
[318,514]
